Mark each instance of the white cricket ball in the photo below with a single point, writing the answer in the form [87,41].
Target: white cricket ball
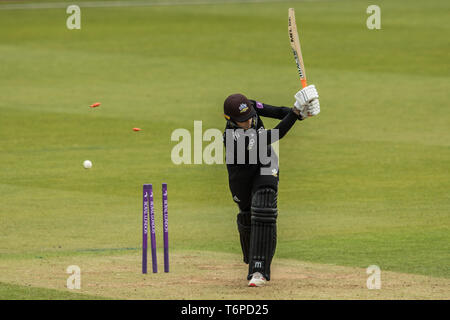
[87,164]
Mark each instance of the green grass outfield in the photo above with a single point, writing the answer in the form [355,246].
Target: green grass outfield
[366,182]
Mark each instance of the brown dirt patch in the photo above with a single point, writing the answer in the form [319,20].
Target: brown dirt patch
[209,275]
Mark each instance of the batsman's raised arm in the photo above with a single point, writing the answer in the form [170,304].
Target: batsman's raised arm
[242,113]
[269,111]
[306,103]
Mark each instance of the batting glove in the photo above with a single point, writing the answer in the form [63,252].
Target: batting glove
[313,108]
[307,101]
[306,95]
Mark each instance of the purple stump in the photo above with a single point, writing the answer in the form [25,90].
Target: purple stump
[145,197]
[152,232]
[166,227]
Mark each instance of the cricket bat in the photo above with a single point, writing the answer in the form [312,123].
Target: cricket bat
[295,44]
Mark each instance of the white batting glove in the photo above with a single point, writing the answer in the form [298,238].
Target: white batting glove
[313,108]
[309,110]
[302,109]
[306,95]
[307,102]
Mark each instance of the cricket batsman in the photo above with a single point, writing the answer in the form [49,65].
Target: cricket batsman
[253,172]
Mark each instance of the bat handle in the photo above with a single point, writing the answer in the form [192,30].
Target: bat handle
[304,85]
[303,82]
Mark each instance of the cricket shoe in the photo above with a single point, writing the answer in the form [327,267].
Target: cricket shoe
[257,280]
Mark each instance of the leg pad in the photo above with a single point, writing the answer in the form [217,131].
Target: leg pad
[263,237]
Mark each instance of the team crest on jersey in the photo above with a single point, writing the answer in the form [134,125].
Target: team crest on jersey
[243,107]
[275,172]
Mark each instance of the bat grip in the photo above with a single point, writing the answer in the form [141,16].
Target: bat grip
[303,82]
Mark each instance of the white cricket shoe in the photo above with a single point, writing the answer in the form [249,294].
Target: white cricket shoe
[257,280]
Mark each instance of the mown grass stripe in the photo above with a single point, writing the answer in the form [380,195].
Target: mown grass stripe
[111,4]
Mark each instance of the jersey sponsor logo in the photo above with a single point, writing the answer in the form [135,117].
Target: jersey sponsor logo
[243,107]
[259,105]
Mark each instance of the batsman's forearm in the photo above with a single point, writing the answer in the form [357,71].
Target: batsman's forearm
[276,112]
[284,126]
